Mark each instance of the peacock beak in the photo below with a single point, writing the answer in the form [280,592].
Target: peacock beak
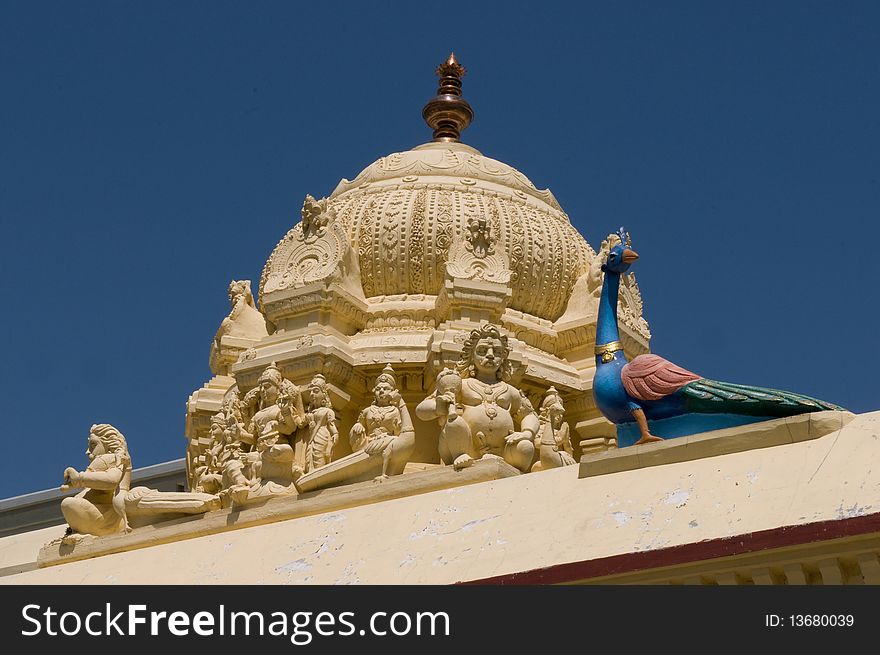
[629,256]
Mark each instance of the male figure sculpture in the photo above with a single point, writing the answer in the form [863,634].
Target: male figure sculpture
[487,408]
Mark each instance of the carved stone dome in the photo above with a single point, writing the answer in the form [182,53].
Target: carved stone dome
[404,211]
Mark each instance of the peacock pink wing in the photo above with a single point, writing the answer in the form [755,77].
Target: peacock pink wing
[650,377]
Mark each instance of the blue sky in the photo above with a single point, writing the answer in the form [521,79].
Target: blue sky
[151,152]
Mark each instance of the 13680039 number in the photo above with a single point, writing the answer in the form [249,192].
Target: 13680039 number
[821,620]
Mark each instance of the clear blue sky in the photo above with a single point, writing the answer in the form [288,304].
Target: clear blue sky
[151,152]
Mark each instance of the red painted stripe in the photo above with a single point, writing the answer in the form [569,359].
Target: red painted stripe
[751,542]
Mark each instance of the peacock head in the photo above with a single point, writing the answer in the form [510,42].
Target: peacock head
[620,256]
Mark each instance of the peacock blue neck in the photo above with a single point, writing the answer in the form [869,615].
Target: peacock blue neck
[606,325]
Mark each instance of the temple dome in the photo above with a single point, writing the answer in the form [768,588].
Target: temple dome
[403,212]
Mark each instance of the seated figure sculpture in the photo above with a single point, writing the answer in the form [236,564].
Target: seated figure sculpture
[263,431]
[100,508]
[108,504]
[486,407]
[554,440]
[228,470]
[382,439]
[385,427]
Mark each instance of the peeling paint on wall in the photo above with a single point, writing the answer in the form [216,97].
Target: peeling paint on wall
[678,498]
[471,524]
[850,512]
[298,565]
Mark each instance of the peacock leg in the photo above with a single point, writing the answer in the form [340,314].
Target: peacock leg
[647,437]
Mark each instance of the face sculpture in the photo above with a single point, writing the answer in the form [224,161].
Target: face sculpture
[552,408]
[556,413]
[268,392]
[383,392]
[96,447]
[217,429]
[489,354]
[316,396]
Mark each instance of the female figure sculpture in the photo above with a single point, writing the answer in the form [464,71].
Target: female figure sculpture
[321,425]
[385,427]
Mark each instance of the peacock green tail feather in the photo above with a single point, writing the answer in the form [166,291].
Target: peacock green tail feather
[710,396]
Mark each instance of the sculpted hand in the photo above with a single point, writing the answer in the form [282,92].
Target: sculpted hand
[357,437]
[516,437]
[378,445]
[72,479]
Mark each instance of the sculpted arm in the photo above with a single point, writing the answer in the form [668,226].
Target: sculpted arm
[563,439]
[240,432]
[406,424]
[357,437]
[530,424]
[238,422]
[528,421]
[292,414]
[427,409]
[334,431]
[102,480]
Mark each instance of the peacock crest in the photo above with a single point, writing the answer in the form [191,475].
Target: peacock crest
[630,306]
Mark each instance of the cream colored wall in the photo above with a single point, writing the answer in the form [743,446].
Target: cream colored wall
[519,523]
[18,552]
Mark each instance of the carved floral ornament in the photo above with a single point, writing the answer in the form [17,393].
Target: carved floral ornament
[316,249]
[460,162]
[316,216]
[404,239]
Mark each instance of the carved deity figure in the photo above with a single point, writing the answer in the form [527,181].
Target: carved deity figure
[322,432]
[487,407]
[276,412]
[554,441]
[258,440]
[480,239]
[202,468]
[228,470]
[316,216]
[385,427]
[100,508]
[108,504]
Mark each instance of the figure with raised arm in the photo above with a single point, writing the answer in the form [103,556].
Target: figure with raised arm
[481,414]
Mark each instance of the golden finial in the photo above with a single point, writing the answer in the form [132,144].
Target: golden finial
[448,113]
[451,68]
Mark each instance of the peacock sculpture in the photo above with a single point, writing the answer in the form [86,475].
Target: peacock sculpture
[651,399]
